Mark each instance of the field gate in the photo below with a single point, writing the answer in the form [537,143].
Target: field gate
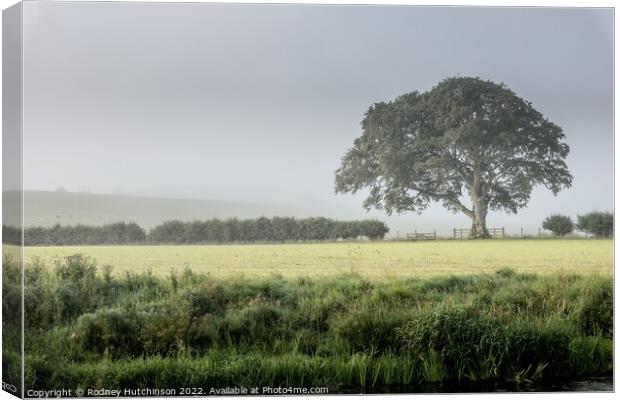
[422,236]
[497,232]
[493,232]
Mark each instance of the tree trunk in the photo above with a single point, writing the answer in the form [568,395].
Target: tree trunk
[479,220]
[479,208]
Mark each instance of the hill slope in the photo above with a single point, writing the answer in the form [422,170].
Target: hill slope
[42,208]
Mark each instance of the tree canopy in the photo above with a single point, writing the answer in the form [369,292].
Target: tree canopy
[466,137]
[600,224]
[559,225]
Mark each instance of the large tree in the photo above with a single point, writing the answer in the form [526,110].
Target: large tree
[464,138]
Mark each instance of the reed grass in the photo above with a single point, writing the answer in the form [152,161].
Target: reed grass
[88,327]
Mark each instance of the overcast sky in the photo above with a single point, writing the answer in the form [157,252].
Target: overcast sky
[260,102]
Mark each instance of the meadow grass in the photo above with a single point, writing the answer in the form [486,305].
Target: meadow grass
[89,328]
[372,260]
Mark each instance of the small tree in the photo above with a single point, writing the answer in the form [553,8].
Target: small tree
[600,224]
[560,225]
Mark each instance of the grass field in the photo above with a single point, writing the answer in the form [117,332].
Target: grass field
[374,260]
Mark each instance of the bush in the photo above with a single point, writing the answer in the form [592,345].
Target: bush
[277,229]
[596,315]
[560,225]
[600,224]
[11,291]
[11,235]
[39,299]
[163,330]
[462,338]
[77,281]
[206,299]
[112,332]
[474,346]
[260,323]
[116,233]
[370,329]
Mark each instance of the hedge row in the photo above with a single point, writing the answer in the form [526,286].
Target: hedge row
[277,229]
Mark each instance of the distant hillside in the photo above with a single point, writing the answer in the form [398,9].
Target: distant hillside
[49,208]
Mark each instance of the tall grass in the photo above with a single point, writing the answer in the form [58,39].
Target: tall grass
[87,327]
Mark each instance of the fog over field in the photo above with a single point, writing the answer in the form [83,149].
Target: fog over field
[246,103]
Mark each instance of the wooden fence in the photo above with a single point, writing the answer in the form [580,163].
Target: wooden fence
[422,235]
[493,232]
[461,233]
[497,232]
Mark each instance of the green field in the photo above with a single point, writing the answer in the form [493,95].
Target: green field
[374,260]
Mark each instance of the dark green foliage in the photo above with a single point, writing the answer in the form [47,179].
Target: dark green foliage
[11,322]
[232,230]
[11,291]
[263,229]
[347,333]
[39,298]
[163,329]
[111,332]
[11,235]
[531,346]
[257,323]
[600,224]
[117,233]
[464,136]
[461,338]
[76,286]
[370,329]
[596,313]
[207,299]
[560,225]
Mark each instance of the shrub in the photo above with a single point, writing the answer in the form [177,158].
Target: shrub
[530,346]
[112,332]
[163,330]
[460,337]
[600,224]
[206,299]
[257,324]
[77,281]
[203,332]
[370,328]
[559,225]
[39,299]
[11,235]
[595,317]
[11,291]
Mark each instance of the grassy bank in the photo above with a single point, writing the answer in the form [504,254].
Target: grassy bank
[372,260]
[90,328]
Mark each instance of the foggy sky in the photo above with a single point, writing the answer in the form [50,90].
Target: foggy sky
[260,102]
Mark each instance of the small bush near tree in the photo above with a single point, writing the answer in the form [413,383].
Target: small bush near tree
[559,225]
[600,224]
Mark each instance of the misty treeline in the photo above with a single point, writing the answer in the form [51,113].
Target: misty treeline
[233,230]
